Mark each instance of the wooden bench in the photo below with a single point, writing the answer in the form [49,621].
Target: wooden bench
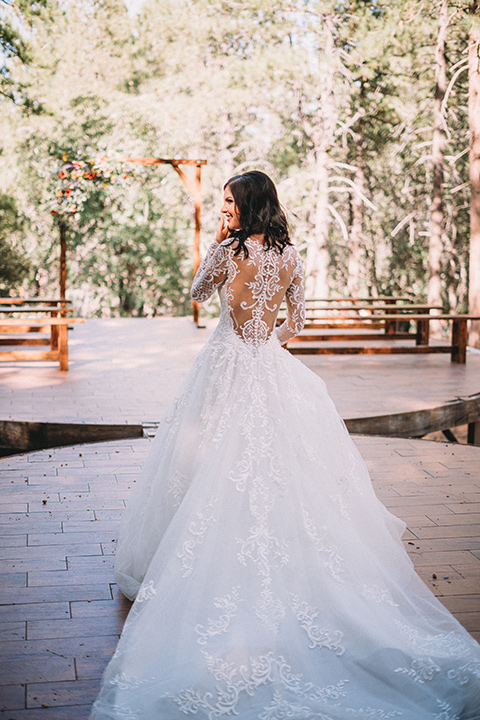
[361,310]
[56,302]
[344,330]
[45,307]
[356,314]
[56,327]
[50,308]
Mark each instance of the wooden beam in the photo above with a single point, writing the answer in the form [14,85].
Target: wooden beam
[371,350]
[25,341]
[21,329]
[347,337]
[417,423]
[351,325]
[32,301]
[13,356]
[25,436]
[165,161]
[38,322]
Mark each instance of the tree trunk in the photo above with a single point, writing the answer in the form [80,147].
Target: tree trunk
[316,262]
[436,222]
[317,259]
[226,143]
[474,123]
[356,230]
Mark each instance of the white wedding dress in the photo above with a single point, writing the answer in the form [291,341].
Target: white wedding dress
[270,582]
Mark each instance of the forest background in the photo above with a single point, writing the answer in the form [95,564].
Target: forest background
[358,109]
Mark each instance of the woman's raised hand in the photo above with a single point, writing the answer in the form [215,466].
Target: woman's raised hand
[222,232]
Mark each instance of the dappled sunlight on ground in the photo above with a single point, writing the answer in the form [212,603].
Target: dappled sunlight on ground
[126,370]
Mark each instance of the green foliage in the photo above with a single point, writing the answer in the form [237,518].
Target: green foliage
[13,265]
[128,258]
[14,46]
[252,84]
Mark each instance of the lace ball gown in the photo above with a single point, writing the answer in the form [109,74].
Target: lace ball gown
[269,581]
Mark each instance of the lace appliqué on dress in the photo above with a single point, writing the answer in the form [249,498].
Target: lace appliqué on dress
[464,673]
[441,645]
[234,682]
[334,563]
[377,594]
[228,605]
[177,487]
[319,637]
[146,592]
[127,682]
[421,670]
[446,712]
[269,609]
[198,530]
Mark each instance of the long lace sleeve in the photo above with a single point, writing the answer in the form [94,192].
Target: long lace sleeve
[295,301]
[211,273]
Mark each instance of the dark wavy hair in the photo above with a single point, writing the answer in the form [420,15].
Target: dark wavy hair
[259,211]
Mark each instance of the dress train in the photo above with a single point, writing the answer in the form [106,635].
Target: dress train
[270,582]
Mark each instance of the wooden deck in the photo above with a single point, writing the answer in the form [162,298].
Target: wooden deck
[60,613]
[127,370]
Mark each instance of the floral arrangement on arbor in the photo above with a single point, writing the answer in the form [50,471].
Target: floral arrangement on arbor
[73,180]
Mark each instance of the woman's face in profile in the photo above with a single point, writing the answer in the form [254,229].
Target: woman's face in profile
[230,211]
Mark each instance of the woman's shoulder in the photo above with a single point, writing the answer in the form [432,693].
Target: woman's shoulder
[293,259]
[291,253]
[292,250]
[222,249]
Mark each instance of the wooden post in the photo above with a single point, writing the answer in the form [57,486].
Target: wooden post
[459,340]
[54,331]
[63,259]
[391,325]
[63,346]
[195,189]
[196,242]
[423,332]
[473,434]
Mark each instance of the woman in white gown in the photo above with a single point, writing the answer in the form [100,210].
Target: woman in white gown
[269,581]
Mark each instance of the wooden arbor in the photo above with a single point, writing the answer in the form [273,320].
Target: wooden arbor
[195,189]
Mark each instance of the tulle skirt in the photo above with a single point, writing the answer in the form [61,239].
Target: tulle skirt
[270,582]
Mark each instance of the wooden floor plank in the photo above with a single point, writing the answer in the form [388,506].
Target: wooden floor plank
[71,617]
[147,359]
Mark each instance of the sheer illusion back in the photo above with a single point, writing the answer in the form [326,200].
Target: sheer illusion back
[252,289]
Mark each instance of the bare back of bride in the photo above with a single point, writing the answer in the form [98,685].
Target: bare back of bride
[269,581]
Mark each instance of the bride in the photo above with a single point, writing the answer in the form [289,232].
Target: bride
[269,581]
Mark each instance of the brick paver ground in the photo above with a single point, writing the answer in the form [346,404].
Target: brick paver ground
[60,613]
